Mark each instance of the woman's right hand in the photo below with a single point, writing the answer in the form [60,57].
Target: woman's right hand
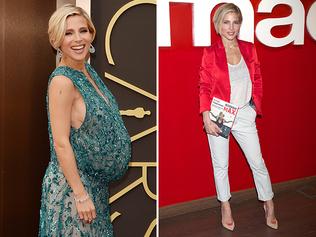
[209,126]
[85,208]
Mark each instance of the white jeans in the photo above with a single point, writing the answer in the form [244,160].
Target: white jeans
[245,132]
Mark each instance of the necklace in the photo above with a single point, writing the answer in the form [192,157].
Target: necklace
[232,46]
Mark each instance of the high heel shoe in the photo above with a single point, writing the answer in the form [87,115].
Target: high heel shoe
[227,225]
[271,222]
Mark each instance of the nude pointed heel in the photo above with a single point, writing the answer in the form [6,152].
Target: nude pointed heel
[227,225]
[272,223]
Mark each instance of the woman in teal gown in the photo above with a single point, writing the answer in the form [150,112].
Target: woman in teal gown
[89,143]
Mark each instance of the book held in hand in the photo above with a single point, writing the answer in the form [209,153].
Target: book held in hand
[223,114]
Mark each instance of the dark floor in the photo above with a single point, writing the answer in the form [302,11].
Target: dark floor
[295,209]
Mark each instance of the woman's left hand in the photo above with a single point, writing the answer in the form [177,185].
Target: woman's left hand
[86,209]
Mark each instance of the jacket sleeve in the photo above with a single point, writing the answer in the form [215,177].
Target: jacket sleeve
[257,83]
[205,81]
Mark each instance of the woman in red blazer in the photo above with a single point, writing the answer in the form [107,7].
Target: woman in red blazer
[230,71]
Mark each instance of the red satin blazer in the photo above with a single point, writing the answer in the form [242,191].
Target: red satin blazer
[214,77]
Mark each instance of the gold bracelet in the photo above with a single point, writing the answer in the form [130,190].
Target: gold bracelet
[81,200]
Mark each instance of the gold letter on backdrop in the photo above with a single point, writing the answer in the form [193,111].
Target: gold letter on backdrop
[138,112]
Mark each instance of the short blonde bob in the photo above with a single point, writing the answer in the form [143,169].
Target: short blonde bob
[222,11]
[57,23]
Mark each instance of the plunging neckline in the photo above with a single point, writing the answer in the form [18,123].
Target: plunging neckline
[237,64]
[96,87]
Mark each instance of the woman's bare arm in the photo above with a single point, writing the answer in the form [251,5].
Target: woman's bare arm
[61,94]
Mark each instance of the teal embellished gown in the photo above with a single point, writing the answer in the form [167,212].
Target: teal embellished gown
[102,149]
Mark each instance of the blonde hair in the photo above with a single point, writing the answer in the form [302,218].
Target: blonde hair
[222,11]
[57,23]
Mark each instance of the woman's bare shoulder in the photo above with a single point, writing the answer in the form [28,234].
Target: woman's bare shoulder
[61,84]
[61,81]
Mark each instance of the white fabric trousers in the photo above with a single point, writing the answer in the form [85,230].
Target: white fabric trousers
[245,132]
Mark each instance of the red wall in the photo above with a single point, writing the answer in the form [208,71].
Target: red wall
[287,130]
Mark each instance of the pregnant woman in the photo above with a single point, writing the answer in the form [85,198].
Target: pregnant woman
[89,143]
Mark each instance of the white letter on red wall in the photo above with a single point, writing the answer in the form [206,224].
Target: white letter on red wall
[311,21]
[296,19]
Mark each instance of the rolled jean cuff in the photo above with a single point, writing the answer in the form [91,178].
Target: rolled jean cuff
[264,199]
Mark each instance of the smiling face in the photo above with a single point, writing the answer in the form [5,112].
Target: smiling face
[77,40]
[230,26]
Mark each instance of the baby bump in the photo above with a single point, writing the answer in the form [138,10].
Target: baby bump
[106,157]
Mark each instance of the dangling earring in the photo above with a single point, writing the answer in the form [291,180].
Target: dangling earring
[59,53]
[91,49]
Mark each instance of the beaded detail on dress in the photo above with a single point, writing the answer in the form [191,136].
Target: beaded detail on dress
[102,149]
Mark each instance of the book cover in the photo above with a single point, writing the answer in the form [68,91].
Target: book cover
[223,114]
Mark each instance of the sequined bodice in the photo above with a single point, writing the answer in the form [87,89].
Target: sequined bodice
[102,149]
[102,140]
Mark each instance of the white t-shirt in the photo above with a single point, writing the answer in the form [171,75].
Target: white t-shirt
[240,83]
